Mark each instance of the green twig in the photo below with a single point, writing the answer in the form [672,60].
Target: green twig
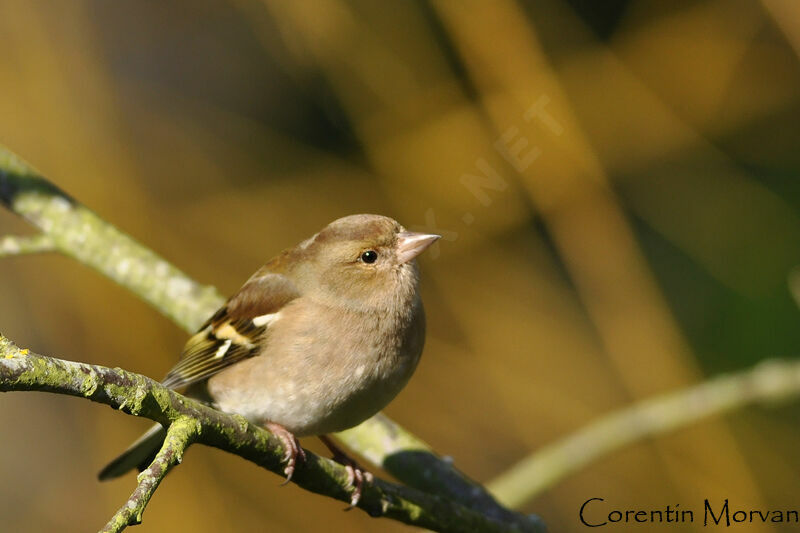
[13,245]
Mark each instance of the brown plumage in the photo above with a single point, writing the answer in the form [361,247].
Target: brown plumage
[320,338]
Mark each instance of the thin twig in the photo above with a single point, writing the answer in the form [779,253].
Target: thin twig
[769,381]
[180,435]
[14,245]
[21,370]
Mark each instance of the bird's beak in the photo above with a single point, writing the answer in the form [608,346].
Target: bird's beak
[410,244]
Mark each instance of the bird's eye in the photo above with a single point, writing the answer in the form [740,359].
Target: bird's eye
[370,256]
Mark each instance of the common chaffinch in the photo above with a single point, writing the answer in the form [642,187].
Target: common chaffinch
[319,339]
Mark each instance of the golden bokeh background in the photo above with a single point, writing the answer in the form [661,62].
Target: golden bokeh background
[618,185]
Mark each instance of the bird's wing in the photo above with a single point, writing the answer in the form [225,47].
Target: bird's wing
[234,332]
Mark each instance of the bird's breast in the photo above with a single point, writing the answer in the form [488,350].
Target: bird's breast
[323,369]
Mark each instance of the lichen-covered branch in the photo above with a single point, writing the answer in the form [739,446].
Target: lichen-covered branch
[21,370]
[180,435]
[13,245]
[769,381]
[79,233]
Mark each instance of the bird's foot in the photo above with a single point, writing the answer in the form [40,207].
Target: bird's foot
[292,448]
[356,475]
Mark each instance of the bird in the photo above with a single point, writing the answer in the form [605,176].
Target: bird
[322,336]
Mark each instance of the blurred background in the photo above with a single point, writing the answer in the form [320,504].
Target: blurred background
[616,183]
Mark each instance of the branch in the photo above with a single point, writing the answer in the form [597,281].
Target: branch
[190,421]
[12,245]
[79,233]
[769,381]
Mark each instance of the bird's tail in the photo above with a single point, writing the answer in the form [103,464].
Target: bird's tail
[138,455]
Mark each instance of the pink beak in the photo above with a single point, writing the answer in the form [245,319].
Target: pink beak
[410,244]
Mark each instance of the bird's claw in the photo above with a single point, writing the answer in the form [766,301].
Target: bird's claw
[356,477]
[291,446]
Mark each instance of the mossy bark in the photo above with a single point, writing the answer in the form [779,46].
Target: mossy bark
[190,421]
